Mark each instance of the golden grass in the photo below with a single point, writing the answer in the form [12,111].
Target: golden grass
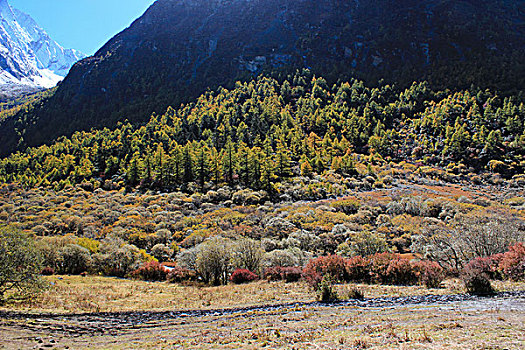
[75,294]
[71,294]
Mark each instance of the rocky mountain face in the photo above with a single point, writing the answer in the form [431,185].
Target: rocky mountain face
[180,48]
[29,59]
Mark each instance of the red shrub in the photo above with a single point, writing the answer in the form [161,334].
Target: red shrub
[379,264]
[179,274]
[400,272]
[512,263]
[333,265]
[240,276]
[488,266]
[313,278]
[150,271]
[475,277]
[357,269]
[291,274]
[430,273]
[382,268]
[283,273]
[273,273]
[47,271]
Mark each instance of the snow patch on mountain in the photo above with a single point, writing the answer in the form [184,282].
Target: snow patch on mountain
[29,59]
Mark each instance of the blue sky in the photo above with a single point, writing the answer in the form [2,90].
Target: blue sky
[84,25]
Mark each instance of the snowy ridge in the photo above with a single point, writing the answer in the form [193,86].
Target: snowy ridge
[29,59]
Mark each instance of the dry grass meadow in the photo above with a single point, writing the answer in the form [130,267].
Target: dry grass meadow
[483,324]
[76,294]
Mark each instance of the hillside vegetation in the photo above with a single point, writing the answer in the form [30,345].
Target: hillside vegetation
[264,134]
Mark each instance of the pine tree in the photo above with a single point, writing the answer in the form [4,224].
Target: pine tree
[187,165]
[282,159]
[228,161]
[243,157]
[202,166]
[215,166]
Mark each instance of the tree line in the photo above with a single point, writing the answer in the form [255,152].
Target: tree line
[263,132]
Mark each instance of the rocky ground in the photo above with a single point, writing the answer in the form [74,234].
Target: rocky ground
[431,322]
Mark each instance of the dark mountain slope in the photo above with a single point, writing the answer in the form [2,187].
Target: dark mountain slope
[178,49]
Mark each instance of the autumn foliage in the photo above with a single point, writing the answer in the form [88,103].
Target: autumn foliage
[241,276]
[150,271]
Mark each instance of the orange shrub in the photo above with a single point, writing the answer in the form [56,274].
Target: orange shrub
[150,271]
[379,264]
[333,265]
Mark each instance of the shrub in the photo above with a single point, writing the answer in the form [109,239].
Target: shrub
[357,269]
[48,271]
[512,263]
[281,257]
[241,276]
[476,280]
[117,259]
[486,265]
[333,265]
[150,271]
[313,278]
[379,264]
[73,259]
[400,272]
[162,252]
[248,254]
[187,258]
[347,206]
[286,273]
[430,273]
[304,240]
[180,274]
[367,243]
[326,291]
[90,244]
[273,273]
[291,274]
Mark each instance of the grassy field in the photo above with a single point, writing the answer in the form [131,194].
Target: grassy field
[497,323]
[76,294]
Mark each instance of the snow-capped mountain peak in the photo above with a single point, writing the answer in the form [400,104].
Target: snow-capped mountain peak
[29,59]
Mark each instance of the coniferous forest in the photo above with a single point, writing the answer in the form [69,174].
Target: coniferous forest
[264,133]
